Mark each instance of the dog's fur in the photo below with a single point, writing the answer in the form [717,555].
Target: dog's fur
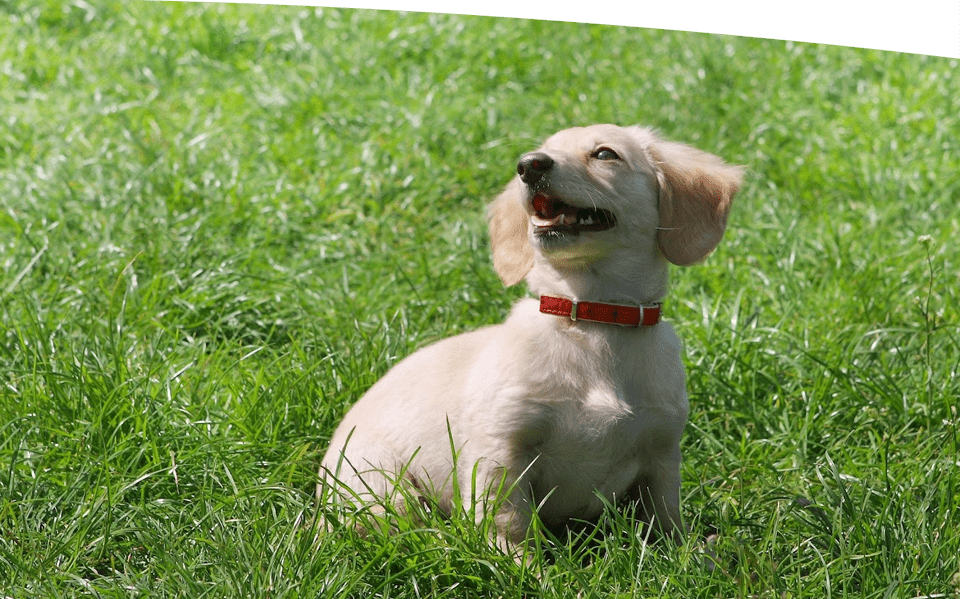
[555,414]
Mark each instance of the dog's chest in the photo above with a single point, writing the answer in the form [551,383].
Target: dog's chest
[587,452]
[590,452]
[590,425]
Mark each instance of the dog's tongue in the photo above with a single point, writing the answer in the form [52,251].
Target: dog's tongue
[550,211]
[547,208]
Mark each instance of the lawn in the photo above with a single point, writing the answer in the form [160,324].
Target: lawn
[220,224]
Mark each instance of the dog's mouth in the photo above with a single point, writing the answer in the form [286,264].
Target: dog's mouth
[551,215]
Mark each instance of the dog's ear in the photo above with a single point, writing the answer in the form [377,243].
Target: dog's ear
[512,253]
[696,192]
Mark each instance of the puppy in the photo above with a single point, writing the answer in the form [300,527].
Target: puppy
[579,395]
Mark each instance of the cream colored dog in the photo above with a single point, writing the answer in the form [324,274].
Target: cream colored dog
[579,395]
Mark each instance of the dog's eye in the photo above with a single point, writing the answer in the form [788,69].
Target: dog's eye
[606,154]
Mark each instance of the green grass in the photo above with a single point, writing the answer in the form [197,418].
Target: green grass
[220,224]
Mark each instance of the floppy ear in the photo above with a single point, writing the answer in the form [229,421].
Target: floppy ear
[696,192]
[512,254]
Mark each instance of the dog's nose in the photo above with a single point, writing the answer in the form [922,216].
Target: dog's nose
[532,167]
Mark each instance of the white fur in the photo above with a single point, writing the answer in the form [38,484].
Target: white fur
[557,411]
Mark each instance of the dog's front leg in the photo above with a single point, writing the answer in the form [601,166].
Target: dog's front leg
[499,493]
[659,495]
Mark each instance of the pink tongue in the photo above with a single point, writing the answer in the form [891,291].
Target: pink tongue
[548,208]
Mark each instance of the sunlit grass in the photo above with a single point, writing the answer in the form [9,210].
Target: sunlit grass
[220,224]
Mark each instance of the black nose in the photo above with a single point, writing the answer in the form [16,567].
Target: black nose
[532,167]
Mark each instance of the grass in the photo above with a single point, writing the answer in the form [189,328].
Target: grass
[219,224]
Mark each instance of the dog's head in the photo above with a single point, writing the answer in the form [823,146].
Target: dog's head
[604,192]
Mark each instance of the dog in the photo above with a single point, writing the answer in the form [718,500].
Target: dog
[579,397]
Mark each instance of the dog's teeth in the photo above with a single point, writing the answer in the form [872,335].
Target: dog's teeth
[545,222]
[588,220]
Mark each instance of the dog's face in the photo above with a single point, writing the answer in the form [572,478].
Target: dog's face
[591,193]
[587,191]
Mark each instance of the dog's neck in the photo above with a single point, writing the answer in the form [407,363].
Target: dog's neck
[606,281]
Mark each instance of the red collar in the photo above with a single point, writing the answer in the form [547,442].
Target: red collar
[628,316]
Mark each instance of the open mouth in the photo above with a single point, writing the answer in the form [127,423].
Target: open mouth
[555,216]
